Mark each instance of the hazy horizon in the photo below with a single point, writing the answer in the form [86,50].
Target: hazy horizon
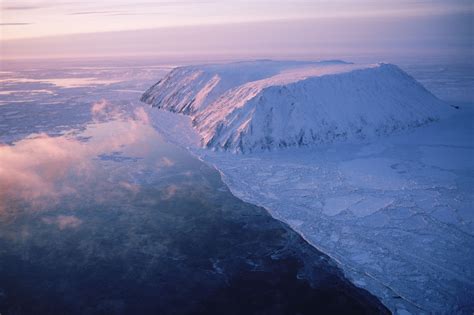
[237,29]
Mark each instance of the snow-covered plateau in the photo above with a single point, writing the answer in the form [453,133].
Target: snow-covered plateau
[254,106]
[361,160]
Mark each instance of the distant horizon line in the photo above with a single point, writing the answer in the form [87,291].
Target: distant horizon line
[207,24]
[165,27]
[371,39]
[173,60]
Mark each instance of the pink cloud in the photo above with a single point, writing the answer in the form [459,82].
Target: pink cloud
[134,188]
[170,191]
[41,169]
[104,110]
[31,169]
[142,116]
[63,221]
[164,162]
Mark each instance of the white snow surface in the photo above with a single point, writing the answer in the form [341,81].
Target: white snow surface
[262,105]
[395,212]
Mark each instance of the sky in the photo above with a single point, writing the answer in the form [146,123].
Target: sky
[70,28]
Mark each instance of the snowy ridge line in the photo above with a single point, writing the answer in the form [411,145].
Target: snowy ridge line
[265,105]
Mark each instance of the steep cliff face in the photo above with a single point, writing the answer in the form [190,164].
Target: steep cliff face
[264,105]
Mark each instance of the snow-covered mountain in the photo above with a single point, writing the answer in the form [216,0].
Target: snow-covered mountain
[394,212]
[259,105]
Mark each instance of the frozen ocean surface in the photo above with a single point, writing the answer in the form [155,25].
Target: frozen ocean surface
[396,212]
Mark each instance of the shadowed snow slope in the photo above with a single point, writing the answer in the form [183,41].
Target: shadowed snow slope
[261,105]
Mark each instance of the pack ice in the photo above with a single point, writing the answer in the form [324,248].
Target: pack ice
[392,204]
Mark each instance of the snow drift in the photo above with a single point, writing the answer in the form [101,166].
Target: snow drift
[262,105]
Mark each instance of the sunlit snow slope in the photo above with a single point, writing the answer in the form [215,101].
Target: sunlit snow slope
[260,105]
